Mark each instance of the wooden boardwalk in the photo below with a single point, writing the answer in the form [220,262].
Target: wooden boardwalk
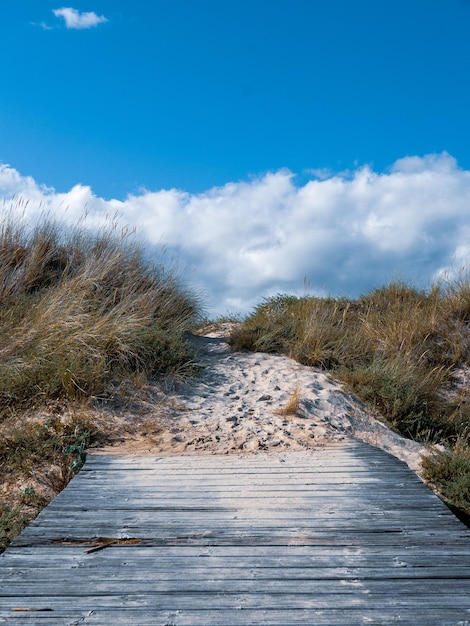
[344,535]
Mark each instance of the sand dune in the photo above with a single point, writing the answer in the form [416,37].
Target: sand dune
[239,404]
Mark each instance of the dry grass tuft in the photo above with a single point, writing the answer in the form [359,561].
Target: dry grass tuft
[292,406]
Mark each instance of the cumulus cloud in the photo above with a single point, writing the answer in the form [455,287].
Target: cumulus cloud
[79,20]
[347,233]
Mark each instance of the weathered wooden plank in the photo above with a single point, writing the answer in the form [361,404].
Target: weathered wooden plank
[239,533]
[235,472]
[158,573]
[356,597]
[309,508]
[255,617]
[321,540]
[73,555]
[245,465]
[275,592]
[264,517]
[173,559]
[311,538]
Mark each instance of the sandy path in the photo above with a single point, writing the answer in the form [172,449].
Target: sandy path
[234,407]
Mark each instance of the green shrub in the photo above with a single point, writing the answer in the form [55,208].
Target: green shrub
[50,448]
[449,471]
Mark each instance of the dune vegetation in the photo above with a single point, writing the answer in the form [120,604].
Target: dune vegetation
[405,352]
[85,316]
[80,311]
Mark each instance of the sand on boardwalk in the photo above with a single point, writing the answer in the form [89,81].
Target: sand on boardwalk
[239,403]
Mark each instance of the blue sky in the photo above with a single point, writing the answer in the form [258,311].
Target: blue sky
[121,104]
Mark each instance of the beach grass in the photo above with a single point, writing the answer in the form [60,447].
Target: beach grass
[402,350]
[81,310]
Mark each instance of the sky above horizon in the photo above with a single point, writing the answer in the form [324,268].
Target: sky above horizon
[262,142]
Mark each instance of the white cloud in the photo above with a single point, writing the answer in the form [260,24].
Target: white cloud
[77,20]
[243,241]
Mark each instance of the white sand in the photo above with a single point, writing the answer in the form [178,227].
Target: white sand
[232,408]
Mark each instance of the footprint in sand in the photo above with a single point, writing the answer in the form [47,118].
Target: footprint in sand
[240,403]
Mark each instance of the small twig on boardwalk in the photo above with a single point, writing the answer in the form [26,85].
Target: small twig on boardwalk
[99,543]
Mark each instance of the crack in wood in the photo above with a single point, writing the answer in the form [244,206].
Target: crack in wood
[29,609]
[99,543]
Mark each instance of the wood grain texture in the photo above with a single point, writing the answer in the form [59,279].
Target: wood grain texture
[339,535]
